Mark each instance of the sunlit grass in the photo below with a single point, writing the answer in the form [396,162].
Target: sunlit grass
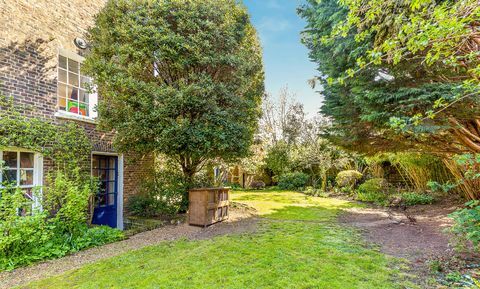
[297,245]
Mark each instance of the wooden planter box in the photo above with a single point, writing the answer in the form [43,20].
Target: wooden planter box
[208,206]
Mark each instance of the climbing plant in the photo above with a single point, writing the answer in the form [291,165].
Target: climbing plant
[66,144]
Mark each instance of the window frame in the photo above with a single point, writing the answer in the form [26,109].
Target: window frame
[37,181]
[92,96]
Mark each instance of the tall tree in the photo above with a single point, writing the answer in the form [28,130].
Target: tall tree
[382,105]
[178,77]
[281,120]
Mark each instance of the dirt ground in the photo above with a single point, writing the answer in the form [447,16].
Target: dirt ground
[241,220]
[417,234]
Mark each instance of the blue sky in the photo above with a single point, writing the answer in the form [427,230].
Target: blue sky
[285,57]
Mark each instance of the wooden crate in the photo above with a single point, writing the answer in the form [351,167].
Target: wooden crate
[208,206]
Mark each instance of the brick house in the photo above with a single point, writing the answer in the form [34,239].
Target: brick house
[40,66]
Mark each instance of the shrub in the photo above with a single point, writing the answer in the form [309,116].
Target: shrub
[376,185]
[412,199]
[163,195]
[348,179]
[292,181]
[311,191]
[467,225]
[373,191]
[61,228]
[377,197]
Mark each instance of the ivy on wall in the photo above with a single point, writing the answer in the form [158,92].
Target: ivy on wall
[66,144]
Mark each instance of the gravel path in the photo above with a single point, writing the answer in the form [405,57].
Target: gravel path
[241,220]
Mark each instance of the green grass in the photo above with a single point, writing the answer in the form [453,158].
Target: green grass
[297,245]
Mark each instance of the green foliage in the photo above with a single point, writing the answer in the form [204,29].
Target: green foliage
[416,169]
[394,103]
[59,229]
[164,195]
[311,191]
[374,191]
[293,181]
[413,198]
[253,259]
[66,144]
[467,223]
[377,197]
[373,185]
[348,178]
[190,87]
[68,198]
[278,159]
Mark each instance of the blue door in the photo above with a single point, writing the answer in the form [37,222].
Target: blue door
[105,168]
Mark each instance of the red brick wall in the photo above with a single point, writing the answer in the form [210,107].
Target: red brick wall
[32,32]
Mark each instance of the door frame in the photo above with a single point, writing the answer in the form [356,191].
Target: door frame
[120,183]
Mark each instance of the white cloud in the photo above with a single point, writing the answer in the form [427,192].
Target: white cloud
[275,4]
[269,24]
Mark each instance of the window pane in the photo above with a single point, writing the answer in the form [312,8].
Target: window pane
[10,159]
[103,163]
[73,66]
[26,160]
[62,75]
[102,175]
[83,109]
[83,96]
[26,177]
[62,103]
[112,163]
[112,188]
[73,79]
[72,93]
[62,62]
[111,199]
[9,176]
[62,90]
[101,200]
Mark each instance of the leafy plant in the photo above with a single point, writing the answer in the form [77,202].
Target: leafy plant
[413,198]
[376,197]
[66,144]
[30,235]
[163,195]
[293,181]
[189,88]
[373,185]
[348,179]
[311,191]
[467,223]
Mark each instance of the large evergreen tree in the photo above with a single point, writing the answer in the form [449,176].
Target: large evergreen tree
[383,105]
[178,77]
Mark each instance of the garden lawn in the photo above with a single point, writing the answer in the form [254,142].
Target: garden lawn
[298,244]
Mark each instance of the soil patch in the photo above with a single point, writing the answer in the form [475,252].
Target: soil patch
[416,234]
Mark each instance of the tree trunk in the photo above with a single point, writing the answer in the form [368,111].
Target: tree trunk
[189,169]
[324,182]
[467,133]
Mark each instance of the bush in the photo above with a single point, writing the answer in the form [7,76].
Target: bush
[467,225]
[61,228]
[377,197]
[412,199]
[164,195]
[377,185]
[292,181]
[311,191]
[348,179]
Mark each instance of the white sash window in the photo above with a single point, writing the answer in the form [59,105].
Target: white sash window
[23,169]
